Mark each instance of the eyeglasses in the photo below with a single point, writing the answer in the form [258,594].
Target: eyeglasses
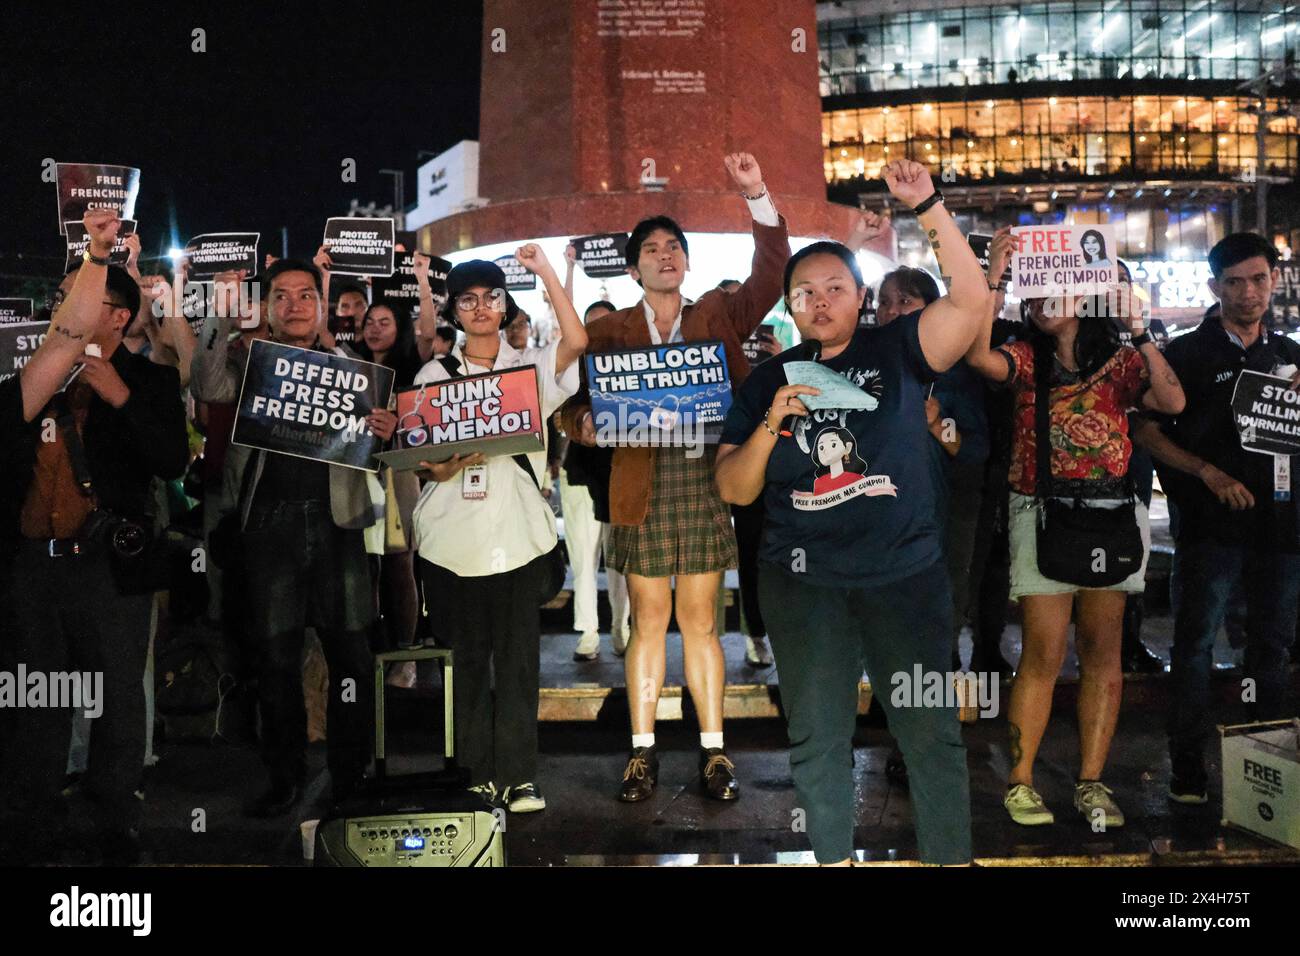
[494,300]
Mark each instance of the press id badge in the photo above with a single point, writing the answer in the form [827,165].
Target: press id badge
[473,482]
[1281,477]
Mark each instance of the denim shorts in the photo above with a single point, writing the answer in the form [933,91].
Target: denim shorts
[1025,576]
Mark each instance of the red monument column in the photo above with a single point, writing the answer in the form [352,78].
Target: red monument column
[588,105]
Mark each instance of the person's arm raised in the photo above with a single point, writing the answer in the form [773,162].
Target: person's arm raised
[993,363]
[749,305]
[426,324]
[949,325]
[573,334]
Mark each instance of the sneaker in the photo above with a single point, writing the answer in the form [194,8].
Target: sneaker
[525,798]
[618,640]
[757,653]
[1093,795]
[488,791]
[401,674]
[1026,806]
[588,648]
[1188,783]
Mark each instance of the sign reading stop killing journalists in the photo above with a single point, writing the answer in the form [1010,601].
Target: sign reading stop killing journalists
[674,395]
[78,241]
[603,256]
[1064,260]
[85,186]
[1267,413]
[216,252]
[359,246]
[495,413]
[19,335]
[311,404]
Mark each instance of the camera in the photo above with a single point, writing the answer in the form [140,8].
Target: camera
[126,538]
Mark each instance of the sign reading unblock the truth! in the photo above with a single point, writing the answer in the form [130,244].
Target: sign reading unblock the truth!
[1267,412]
[311,404]
[359,246]
[662,395]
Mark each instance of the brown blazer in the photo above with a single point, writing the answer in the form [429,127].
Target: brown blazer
[731,317]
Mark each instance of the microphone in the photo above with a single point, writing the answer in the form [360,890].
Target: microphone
[810,351]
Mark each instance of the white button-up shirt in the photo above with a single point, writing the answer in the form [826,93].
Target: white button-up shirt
[512,524]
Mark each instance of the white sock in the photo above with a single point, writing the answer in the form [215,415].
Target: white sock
[643,740]
[711,741]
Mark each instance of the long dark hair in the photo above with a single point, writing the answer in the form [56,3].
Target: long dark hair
[854,462]
[1095,342]
[915,283]
[404,356]
[1100,241]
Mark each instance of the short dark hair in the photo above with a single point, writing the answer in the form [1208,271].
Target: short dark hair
[643,229]
[599,304]
[726,282]
[280,266]
[119,285]
[1239,247]
[916,283]
[446,333]
[343,288]
[824,247]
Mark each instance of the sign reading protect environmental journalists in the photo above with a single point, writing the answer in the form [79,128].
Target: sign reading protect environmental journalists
[217,252]
[311,404]
[1063,260]
[1267,413]
[360,246]
[661,395]
[78,241]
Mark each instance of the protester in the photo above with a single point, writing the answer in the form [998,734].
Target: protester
[853,573]
[518,331]
[444,340]
[301,523]
[1093,382]
[82,473]
[668,518]
[484,559]
[1236,518]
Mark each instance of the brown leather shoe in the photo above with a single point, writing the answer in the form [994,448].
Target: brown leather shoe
[641,775]
[718,774]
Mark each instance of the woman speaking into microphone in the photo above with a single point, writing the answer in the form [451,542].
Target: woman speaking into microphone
[851,568]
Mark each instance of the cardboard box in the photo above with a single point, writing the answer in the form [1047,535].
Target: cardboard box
[1261,779]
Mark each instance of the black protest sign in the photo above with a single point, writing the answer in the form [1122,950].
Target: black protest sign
[359,246]
[518,279]
[979,244]
[1285,305]
[84,186]
[602,257]
[216,252]
[311,404]
[1267,413]
[401,288]
[78,241]
[19,335]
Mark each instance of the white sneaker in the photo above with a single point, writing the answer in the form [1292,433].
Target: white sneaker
[618,640]
[1026,806]
[488,791]
[402,675]
[525,798]
[588,648]
[757,653]
[1093,796]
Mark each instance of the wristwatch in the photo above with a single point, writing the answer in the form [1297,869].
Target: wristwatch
[87,257]
[1138,341]
[935,197]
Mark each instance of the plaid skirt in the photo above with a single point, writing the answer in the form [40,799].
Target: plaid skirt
[687,528]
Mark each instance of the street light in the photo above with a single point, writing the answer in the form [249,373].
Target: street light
[399,196]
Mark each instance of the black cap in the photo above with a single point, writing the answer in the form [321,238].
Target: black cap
[470,273]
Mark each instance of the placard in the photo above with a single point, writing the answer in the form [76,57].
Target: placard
[401,288]
[360,246]
[16,311]
[1267,413]
[603,256]
[1063,260]
[493,413]
[662,395]
[980,244]
[311,404]
[1285,304]
[19,337]
[518,279]
[78,241]
[216,252]
[83,186]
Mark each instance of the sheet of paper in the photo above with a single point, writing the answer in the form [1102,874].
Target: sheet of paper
[836,390]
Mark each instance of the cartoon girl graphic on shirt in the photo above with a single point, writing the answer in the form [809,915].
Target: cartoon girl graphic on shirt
[834,452]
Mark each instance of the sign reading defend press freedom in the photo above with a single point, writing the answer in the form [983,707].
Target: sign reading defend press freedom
[1267,413]
[603,256]
[216,252]
[78,241]
[1064,260]
[360,246]
[19,335]
[518,279]
[494,413]
[83,186]
[661,395]
[311,404]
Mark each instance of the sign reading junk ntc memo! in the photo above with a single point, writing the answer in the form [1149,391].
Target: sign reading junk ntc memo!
[662,395]
[495,413]
[1267,413]
[1063,260]
[311,404]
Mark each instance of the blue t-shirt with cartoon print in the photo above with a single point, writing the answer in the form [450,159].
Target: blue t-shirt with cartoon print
[850,498]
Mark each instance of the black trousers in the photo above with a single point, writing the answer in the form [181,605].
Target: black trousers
[67,615]
[493,627]
[749,534]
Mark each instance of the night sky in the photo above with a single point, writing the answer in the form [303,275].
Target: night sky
[247,136]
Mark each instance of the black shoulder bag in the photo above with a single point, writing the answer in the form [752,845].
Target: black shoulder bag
[1077,544]
[554,563]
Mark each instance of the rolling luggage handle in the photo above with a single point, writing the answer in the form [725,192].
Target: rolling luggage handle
[448,729]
